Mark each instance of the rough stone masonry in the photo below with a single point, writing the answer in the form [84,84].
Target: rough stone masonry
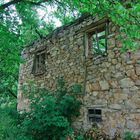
[110,82]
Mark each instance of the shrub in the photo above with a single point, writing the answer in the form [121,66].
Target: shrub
[7,114]
[9,129]
[51,114]
[128,135]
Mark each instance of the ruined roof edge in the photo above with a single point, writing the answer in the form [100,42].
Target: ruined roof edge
[59,29]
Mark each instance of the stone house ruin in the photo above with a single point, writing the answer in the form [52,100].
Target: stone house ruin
[87,51]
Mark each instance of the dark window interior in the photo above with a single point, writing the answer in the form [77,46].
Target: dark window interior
[39,63]
[94,115]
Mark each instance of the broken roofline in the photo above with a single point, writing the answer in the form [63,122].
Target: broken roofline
[81,19]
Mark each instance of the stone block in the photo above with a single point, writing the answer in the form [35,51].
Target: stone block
[111,55]
[104,85]
[115,106]
[134,89]
[126,83]
[95,86]
[137,82]
[137,103]
[136,55]
[126,91]
[100,102]
[113,84]
[114,61]
[107,64]
[88,88]
[125,57]
[111,43]
[138,70]
[118,66]
[94,93]
[130,104]
[131,124]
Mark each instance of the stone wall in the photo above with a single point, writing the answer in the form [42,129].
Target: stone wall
[113,85]
[110,83]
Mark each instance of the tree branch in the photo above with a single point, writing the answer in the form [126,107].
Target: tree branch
[9,4]
[12,93]
[6,5]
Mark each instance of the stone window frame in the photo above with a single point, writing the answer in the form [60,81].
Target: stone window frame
[104,26]
[39,66]
[94,115]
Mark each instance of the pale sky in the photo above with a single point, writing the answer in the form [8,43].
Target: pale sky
[46,14]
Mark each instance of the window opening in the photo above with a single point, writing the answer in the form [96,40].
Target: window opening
[97,40]
[39,63]
[94,115]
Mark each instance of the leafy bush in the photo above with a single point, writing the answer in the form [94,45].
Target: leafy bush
[9,129]
[128,135]
[51,114]
[7,114]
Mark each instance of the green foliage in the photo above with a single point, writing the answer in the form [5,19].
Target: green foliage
[9,129]
[125,14]
[76,88]
[19,25]
[51,114]
[80,137]
[128,135]
[50,117]
[9,60]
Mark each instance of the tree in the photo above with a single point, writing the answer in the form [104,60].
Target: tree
[19,26]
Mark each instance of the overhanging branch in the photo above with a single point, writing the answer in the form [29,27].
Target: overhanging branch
[13,94]
[9,4]
[6,5]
